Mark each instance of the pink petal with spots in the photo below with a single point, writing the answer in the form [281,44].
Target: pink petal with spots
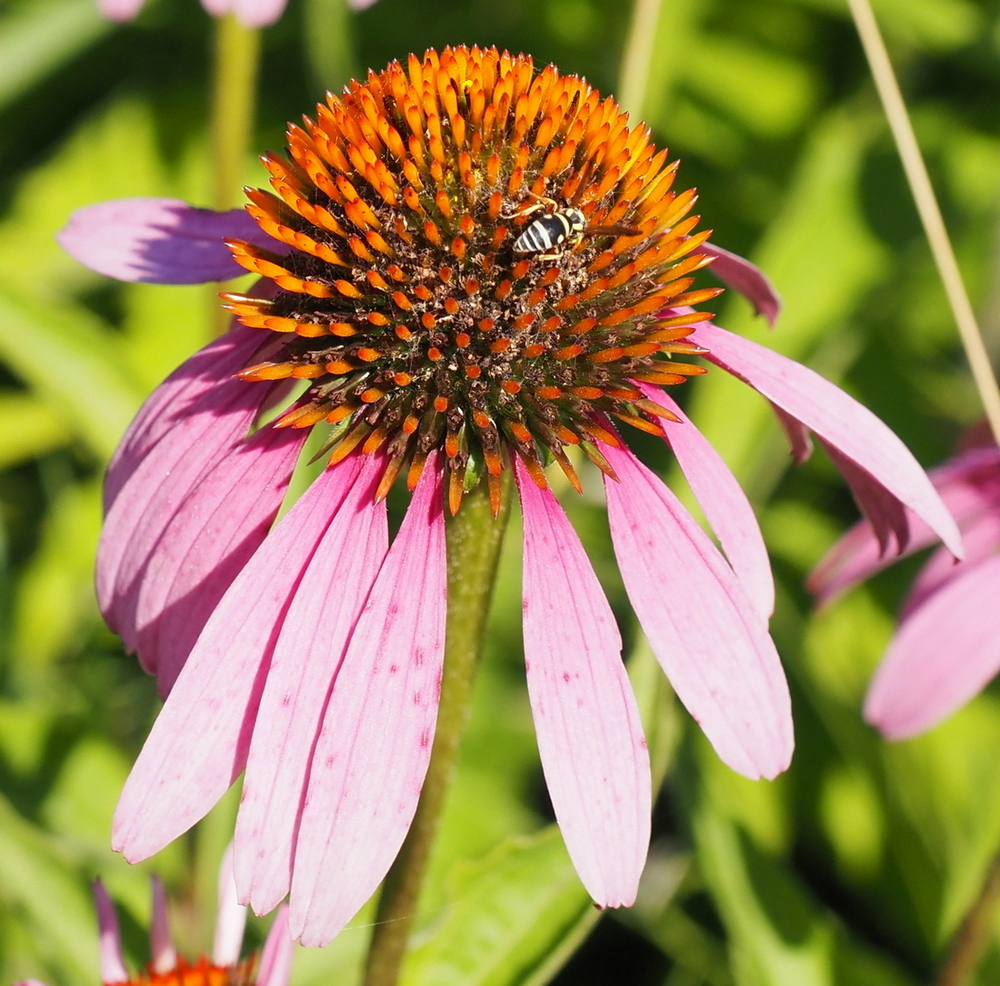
[969,485]
[199,743]
[589,735]
[206,543]
[158,241]
[306,659]
[883,474]
[179,396]
[746,278]
[722,498]
[276,955]
[159,487]
[981,538]
[942,655]
[375,741]
[709,638]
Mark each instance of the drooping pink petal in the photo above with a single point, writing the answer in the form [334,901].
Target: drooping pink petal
[375,742]
[942,655]
[746,278]
[722,498]
[112,960]
[199,742]
[981,539]
[158,241]
[180,395]
[203,547]
[707,635]
[230,915]
[163,955]
[360,4]
[969,485]
[258,13]
[276,955]
[586,719]
[159,486]
[119,10]
[306,659]
[892,474]
[798,435]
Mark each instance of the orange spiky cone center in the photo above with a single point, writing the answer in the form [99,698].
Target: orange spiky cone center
[407,301]
[200,973]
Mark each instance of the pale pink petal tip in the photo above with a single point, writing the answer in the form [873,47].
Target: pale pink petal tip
[119,10]
[231,916]
[881,471]
[746,278]
[29,982]
[276,955]
[155,240]
[590,737]
[112,961]
[163,957]
[360,4]
[258,13]
[709,638]
[943,654]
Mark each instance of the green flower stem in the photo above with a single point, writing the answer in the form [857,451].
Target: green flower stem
[927,207]
[234,99]
[633,76]
[474,542]
[975,933]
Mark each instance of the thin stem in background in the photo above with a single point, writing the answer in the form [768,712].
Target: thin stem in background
[474,542]
[633,77]
[975,933]
[234,100]
[930,213]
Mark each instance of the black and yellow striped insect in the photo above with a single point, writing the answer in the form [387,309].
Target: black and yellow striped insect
[559,230]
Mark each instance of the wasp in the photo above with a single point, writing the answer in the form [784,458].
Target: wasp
[559,230]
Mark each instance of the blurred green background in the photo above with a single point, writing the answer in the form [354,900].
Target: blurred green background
[855,867]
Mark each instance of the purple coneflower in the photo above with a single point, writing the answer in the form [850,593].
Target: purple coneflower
[434,339]
[947,646]
[166,968]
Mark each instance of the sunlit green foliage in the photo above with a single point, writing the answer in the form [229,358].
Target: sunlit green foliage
[851,870]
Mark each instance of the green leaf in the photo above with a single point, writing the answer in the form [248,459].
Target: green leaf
[512,919]
[66,357]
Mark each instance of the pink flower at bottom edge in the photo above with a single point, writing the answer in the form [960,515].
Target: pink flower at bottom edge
[272,967]
[947,645]
[306,655]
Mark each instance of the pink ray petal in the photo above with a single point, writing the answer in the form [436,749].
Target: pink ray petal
[258,13]
[163,955]
[746,278]
[230,915]
[306,658]
[375,742]
[942,655]
[798,435]
[199,742]
[276,955]
[206,543]
[981,538]
[705,632]
[891,473]
[360,4]
[969,485]
[722,498]
[160,486]
[112,959]
[586,719]
[176,398]
[119,10]
[158,241]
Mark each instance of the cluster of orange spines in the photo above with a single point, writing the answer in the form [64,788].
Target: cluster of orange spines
[200,973]
[400,298]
